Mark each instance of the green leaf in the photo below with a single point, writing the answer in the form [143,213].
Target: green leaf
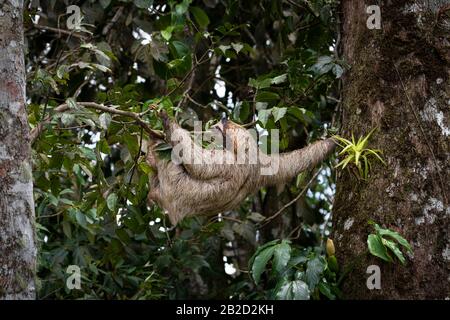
[62,71]
[394,248]
[111,201]
[100,67]
[282,255]
[323,65]
[237,46]
[325,289]
[224,48]
[71,103]
[200,16]
[104,120]
[67,118]
[394,235]
[338,71]
[278,113]
[142,4]
[377,248]
[314,269]
[145,167]
[279,79]
[260,262]
[105,3]
[256,217]
[182,7]
[263,116]
[167,32]
[293,290]
[67,229]
[81,219]
[267,96]
[241,111]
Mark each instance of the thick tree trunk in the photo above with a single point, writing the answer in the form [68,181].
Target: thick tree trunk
[17,237]
[399,82]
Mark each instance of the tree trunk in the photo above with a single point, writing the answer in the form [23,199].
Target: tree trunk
[399,82]
[17,237]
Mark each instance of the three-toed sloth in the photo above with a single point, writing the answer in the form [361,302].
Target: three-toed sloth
[206,181]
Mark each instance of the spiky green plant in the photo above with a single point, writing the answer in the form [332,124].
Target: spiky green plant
[357,153]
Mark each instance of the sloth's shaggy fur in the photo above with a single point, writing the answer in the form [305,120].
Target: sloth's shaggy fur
[199,181]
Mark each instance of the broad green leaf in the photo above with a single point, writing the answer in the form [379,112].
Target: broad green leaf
[377,248]
[282,255]
[104,120]
[293,290]
[325,289]
[167,32]
[67,118]
[314,269]
[62,71]
[323,65]
[67,229]
[394,235]
[263,116]
[394,248]
[200,16]
[143,4]
[111,201]
[279,79]
[278,113]
[267,96]
[338,71]
[71,103]
[224,48]
[105,3]
[145,167]
[256,217]
[81,219]
[260,83]
[182,7]
[260,262]
[100,67]
[237,47]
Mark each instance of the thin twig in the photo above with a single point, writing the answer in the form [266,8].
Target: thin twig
[268,219]
[59,31]
[113,21]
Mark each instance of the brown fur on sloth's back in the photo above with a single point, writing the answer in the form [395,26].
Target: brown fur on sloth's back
[198,189]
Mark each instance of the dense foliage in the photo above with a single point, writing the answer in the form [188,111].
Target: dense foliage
[269,64]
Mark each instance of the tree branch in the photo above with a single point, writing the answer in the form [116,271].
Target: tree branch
[36,132]
[59,31]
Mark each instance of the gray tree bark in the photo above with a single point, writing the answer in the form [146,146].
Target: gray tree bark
[17,235]
[399,81]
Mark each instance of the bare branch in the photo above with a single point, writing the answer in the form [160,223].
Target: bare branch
[59,31]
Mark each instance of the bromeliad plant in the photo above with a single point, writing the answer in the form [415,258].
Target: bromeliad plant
[357,153]
[384,241]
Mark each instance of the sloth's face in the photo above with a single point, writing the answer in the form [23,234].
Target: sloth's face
[232,134]
[225,125]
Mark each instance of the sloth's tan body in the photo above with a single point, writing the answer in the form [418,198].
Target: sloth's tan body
[196,188]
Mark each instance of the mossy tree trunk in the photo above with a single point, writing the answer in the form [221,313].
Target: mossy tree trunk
[399,82]
[17,238]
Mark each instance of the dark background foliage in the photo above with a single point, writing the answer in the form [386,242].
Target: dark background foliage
[268,63]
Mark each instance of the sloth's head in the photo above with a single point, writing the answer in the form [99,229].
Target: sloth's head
[234,135]
[230,130]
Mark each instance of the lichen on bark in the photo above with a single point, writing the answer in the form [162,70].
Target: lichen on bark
[395,73]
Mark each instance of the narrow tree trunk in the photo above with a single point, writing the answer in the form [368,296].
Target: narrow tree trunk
[17,237]
[399,81]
